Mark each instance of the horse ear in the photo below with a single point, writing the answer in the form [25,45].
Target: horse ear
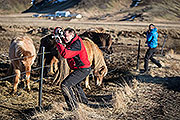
[89,35]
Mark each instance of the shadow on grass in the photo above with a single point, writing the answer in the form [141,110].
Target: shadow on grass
[171,83]
[20,115]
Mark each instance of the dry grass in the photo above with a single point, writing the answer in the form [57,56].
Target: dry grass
[57,112]
[128,90]
[119,104]
[153,101]
[122,97]
[135,84]
[57,109]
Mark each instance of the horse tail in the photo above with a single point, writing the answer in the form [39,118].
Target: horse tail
[10,70]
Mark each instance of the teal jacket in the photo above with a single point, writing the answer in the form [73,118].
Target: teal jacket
[152,38]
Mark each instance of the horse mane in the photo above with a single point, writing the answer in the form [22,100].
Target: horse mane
[88,39]
[98,59]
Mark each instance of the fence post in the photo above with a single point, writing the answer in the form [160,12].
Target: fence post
[165,37]
[137,67]
[41,79]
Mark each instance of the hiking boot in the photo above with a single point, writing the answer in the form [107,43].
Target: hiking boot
[69,109]
[144,71]
[159,65]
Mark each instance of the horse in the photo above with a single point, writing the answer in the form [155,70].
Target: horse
[103,40]
[97,61]
[22,54]
[51,53]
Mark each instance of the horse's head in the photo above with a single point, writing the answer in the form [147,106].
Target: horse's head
[50,47]
[48,42]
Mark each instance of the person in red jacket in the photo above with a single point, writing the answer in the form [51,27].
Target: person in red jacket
[73,49]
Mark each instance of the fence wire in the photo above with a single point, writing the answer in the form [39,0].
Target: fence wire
[26,56]
[7,77]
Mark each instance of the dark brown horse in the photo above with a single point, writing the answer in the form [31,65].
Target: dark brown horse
[103,40]
[51,53]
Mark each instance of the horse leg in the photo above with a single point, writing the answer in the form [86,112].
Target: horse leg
[100,74]
[51,72]
[99,80]
[28,70]
[16,80]
[97,75]
[56,64]
[87,83]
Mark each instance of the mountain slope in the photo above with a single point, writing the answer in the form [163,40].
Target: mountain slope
[107,10]
[118,10]
[13,6]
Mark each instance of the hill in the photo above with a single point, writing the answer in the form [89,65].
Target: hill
[107,10]
[120,10]
[13,6]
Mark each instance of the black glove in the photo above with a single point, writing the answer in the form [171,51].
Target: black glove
[57,38]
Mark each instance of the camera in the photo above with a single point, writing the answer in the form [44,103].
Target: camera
[59,34]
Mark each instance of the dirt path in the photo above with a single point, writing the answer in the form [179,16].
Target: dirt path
[28,20]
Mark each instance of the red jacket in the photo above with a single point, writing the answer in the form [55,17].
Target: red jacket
[75,53]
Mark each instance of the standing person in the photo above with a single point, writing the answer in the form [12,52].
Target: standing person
[74,51]
[152,41]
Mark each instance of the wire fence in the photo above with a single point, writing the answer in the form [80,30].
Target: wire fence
[41,75]
[37,68]
[26,57]
[10,76]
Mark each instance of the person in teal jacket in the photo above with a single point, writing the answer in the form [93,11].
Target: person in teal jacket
[152,41]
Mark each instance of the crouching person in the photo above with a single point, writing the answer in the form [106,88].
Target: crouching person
[73,49]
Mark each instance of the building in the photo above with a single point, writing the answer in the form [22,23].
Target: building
[62,13]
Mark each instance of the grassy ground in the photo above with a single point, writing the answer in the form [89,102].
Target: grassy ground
[152,96]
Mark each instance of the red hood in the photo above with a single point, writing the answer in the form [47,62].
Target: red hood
[74,39]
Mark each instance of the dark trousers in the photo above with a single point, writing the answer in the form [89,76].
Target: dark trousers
[149,55]
[71,88]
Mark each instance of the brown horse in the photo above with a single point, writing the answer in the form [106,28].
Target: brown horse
[97,61]
[22,54]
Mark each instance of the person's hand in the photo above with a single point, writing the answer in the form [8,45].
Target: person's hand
[58,39]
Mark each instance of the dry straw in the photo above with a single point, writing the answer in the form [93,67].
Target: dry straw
[119,104]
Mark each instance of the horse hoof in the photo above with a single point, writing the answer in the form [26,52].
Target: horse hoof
[50,73]
[88,87]
[28,90]
[98,84]
[13,92]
